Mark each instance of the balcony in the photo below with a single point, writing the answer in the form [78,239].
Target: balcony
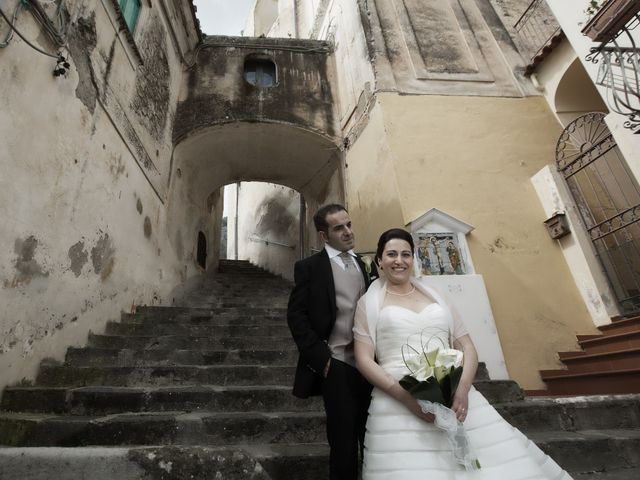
[538,32]
[615,26]
[610,19]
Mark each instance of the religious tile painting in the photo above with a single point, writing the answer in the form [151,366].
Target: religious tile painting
[439,254]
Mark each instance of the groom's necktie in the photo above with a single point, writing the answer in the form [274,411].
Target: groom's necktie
[347,260]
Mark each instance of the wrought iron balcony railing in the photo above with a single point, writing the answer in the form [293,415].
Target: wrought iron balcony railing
[538,32]
[619,57]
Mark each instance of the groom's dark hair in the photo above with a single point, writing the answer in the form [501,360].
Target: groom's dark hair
[320,218]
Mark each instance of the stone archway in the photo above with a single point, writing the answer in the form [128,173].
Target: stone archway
[576,95]
[278,153]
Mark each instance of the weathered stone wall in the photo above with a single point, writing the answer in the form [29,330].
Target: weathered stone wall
[85,160]
[229,130]
[216,92]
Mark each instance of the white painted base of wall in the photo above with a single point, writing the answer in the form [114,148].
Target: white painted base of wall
[468,295]
[577,249]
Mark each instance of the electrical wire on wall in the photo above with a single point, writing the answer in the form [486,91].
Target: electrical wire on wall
[56,33]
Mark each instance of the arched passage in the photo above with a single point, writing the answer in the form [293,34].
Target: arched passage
[277,153]
[576,94]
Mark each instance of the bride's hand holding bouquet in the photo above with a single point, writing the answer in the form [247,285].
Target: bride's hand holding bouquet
[435,382]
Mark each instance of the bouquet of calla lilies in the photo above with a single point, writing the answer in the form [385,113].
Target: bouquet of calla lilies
[434,378]
[434,375]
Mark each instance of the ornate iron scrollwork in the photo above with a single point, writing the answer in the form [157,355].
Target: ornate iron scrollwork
[607,199]
[619,72]
[584,140]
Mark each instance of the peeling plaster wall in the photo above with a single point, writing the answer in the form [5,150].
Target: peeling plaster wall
[83,159]
[216,92]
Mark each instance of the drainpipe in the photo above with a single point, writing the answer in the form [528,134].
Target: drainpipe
[303,221]
[236,222]
[295,19]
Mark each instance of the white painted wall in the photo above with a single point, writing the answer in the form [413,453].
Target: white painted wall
[566,85]
[468,295]
[261,18]
[268,226]
[577,248]
[339,22]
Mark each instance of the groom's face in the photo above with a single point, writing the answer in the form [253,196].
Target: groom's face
[339,234]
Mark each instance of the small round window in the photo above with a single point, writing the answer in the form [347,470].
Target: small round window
[260,72]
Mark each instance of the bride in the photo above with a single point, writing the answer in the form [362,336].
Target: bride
[402,441]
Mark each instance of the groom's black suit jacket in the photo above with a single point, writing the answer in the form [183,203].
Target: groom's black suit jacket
[311,315]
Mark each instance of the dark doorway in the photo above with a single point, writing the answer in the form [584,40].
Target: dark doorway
[202,250]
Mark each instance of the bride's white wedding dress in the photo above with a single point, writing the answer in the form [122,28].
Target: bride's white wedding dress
[398,445]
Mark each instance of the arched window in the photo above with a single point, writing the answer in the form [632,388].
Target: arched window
[202,251]
[260,71]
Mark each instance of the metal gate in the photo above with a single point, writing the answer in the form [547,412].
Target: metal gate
[608,198]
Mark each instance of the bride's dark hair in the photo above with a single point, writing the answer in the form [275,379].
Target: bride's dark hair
[390,235]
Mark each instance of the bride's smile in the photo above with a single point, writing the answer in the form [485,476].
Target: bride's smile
[397,263]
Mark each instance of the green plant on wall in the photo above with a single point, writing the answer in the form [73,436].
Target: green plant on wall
[593,7]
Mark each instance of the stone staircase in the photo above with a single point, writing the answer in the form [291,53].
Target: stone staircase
[202,391]
[608,363]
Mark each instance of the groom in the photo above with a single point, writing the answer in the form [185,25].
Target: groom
[320,316]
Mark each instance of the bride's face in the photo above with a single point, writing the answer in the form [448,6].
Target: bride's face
[397,261]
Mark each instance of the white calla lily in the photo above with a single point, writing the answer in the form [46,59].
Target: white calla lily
[449,357]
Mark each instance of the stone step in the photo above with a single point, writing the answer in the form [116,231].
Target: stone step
[609,342]
[244,270]
[206,320]
[185,341]
[248,276]
[566,382]
[591,450]
[498,391]
[309,461]
[113,400]
[175,312]
[246,462]
[614,360]
[176,375]
[623,325]
[573,413]
[91,356]
[580,451]
[239,303]
[233,281]
[609,474]
[158,462]
[197,330]
[162,428]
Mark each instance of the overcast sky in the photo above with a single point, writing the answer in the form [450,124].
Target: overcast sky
[222,17]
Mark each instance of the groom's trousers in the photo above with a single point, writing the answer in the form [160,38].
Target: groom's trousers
[346,396]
